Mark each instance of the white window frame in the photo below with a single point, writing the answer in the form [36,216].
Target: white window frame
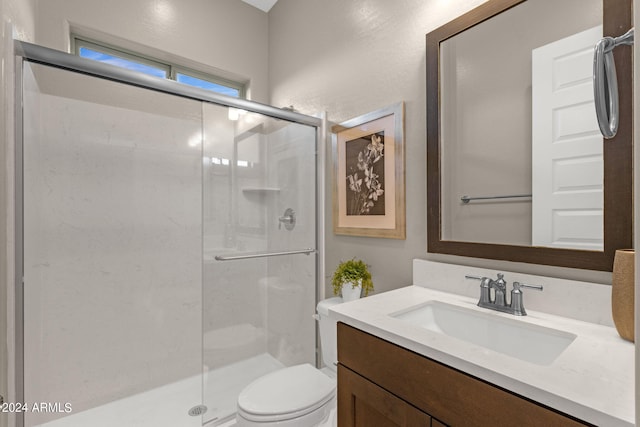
[171,69]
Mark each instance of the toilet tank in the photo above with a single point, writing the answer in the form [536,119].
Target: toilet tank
[328,332]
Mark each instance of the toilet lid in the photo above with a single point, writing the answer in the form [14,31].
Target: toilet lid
[287,393]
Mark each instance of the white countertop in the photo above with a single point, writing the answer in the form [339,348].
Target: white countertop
[593,379]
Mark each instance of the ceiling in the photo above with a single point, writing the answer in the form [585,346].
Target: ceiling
[264,5]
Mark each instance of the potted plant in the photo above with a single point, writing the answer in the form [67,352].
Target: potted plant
[352,278]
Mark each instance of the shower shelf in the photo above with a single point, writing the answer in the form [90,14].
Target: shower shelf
[260,190]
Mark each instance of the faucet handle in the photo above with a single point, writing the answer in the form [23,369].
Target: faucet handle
[517,305]
[485,286]
[517,286]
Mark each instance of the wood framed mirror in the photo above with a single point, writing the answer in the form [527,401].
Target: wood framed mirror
[616,155]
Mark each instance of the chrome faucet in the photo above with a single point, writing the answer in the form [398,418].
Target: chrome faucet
[499,301]
[500,290]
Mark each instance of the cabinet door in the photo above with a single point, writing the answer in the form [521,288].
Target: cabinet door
[361,403]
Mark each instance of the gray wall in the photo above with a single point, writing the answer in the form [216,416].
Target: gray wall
[227,37]
[350,58]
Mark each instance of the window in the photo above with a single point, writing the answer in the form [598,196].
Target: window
[205,82]
[132,61]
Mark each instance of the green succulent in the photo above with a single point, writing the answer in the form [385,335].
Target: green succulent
[352,271]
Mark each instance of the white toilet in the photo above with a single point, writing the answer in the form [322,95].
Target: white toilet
[297,396]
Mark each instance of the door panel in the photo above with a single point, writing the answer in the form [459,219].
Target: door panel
[567,146]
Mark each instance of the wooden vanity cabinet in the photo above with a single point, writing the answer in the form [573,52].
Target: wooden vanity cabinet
[364,404]
[381,384]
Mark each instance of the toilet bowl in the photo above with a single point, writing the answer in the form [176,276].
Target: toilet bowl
[297,396]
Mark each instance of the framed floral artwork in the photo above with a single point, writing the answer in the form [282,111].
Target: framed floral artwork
[369,178]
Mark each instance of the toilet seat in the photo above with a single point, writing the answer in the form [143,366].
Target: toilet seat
[286,394]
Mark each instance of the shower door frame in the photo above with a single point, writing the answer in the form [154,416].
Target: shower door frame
[28,52]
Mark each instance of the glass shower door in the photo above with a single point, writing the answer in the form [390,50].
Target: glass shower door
[112,253]
[259,200]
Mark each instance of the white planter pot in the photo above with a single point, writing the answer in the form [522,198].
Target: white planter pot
[351,293]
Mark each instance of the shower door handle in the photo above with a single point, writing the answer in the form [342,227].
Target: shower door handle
[263,254]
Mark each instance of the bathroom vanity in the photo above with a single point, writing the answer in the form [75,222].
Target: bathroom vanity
[378,380]
[570,369]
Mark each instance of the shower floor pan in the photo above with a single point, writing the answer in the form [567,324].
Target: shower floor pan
[169,405]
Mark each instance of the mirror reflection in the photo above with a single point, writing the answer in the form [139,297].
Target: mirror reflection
[517,119]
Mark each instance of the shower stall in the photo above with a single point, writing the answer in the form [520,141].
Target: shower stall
[168,245]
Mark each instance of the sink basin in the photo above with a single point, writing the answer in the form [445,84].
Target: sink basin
[512,337]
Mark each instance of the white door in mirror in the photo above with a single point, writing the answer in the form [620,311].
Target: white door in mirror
[567,167]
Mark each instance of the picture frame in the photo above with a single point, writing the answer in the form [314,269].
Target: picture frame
[369,176]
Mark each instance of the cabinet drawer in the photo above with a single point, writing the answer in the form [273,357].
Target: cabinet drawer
[456,398]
